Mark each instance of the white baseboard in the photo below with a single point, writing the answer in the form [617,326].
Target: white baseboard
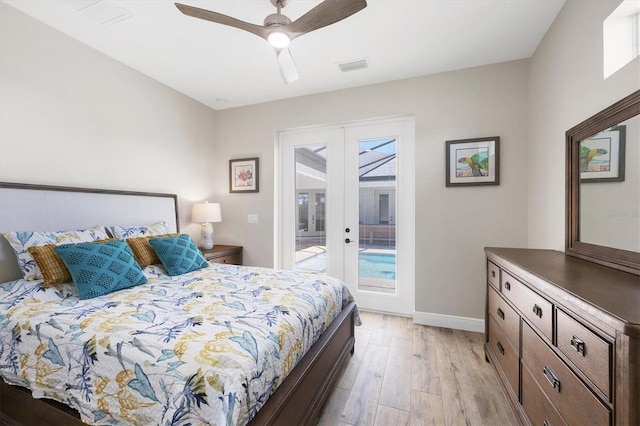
[449,321]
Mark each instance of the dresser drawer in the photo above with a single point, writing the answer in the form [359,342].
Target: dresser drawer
[590,353]
[533,306]
[540,410]
[504,352]
[493,274]
[572,398]
[505,316]
[233,259]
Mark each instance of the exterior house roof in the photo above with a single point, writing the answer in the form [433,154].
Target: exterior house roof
[375,165]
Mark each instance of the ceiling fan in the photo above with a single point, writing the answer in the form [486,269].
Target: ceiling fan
[279,30]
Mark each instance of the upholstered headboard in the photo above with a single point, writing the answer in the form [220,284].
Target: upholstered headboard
[25,207]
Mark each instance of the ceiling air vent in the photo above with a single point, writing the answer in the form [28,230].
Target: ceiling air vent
[100,11]
[359,64]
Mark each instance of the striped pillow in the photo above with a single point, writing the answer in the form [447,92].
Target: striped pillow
[51,265]
[145,254]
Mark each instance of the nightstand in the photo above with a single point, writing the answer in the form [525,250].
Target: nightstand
[231,255]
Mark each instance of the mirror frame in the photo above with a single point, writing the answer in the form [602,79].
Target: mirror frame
[624,260]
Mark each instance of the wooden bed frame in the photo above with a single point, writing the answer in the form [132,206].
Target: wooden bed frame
[298,400]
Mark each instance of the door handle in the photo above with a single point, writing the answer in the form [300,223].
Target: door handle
[346,240]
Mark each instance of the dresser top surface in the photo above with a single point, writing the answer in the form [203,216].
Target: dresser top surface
[610,290]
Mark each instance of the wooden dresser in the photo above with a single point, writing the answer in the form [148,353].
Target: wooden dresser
[563,335]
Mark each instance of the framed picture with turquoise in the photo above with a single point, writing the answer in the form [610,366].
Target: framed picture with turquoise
[602,156]
[473,161]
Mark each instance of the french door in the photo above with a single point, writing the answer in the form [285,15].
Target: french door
[347,209]
[310,212]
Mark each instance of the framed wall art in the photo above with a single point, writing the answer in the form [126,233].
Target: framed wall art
[473,161]
[602,156]
[244,175]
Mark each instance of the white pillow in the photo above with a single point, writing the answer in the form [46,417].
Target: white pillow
[122,232]
[21,241]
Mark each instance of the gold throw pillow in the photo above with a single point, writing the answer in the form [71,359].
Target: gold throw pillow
[143,252]
[51,265]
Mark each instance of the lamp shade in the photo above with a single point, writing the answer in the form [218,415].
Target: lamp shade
[206,213]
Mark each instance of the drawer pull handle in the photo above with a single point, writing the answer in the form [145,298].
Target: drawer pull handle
[546,423]
[493,274]
[578,345]
[552,378]
[507,285]
[537,310]
[500,313]
[500,347]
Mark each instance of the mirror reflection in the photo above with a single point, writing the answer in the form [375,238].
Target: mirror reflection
[610,187]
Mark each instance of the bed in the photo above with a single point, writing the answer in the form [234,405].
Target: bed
[210,346]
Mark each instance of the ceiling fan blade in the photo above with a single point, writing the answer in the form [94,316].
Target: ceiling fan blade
[288,67]
[326,13]
[219,18]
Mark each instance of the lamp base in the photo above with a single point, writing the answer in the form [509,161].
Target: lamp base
[206,233]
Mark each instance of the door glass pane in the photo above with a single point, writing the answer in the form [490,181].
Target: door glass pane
[319,212]
[311,179]
[377,191]
[303,211]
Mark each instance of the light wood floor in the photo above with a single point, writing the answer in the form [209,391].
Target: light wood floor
[407,374]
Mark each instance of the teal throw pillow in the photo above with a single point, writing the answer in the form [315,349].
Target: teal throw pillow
[101,268]
[179,255]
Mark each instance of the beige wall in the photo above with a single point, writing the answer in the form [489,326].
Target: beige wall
[566,87]
[86,120]
[72,116]
[454,224]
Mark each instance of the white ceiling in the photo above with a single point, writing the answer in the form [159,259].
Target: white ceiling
[213,63]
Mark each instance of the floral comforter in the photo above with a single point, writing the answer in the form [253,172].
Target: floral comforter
[207,347]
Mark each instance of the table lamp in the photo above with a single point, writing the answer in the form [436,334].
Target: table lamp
[206,213]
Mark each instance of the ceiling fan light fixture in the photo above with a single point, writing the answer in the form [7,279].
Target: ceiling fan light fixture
[278,39]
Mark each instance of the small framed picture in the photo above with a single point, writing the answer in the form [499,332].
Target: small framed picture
[602,156]
[473,161]
[243,175]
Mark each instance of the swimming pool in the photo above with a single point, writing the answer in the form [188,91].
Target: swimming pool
[377,265]
[370,265]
